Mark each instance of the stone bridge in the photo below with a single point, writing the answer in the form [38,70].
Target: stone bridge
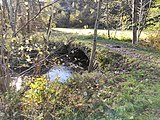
[76,53]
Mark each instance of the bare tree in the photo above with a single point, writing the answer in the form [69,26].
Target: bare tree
[4,70]
[134,21]
[36,15]
[12,16]
[107,18]
[29,11]
[9,8]
[93,53]
[143,11]
[16,15]
[50,24]
[12,8]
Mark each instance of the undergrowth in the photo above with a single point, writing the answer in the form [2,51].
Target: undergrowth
[131,93]
[121,89]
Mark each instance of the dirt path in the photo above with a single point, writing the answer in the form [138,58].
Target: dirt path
[146,57]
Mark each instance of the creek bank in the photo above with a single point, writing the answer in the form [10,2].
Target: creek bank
[58,53]
[61,59]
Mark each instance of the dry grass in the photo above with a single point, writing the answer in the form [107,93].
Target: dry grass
[127,34]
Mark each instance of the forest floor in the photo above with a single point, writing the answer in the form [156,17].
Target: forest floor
[125,85]
[147,74]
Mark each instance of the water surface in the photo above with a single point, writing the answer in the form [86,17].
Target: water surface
[63,72]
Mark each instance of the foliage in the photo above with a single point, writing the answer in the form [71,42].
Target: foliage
[27,51]
[44,99]
[10,105]
[131,93]
[110,60]
[155,40]
[154,36]
[123,88]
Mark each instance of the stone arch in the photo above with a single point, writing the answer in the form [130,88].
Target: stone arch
[75,53]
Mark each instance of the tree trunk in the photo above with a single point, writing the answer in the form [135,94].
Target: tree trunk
[93,53]
[143,14]
[134,21]
[4,70]
[50,25]
[29,16]
[12,13]
[12,17]
[107,12]
[15,19]
[5,4]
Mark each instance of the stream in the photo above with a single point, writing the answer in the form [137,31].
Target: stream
[63,72]
[74,56]
[60,72]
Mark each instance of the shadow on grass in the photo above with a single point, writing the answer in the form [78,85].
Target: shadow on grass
[123,42]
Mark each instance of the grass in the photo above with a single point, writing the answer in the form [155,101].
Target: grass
[130,91]
[120,34]
[84,36]
[138,98]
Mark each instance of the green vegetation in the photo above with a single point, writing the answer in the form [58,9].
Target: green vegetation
[126,88]
[106,54]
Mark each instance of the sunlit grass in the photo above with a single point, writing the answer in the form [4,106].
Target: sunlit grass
[85,36]
[125,34]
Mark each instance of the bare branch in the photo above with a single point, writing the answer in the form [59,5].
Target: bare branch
[154,6]
[35,16]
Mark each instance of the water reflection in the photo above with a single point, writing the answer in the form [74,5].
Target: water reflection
[63,72]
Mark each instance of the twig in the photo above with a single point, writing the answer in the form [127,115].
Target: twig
[35,16]
[52,53]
